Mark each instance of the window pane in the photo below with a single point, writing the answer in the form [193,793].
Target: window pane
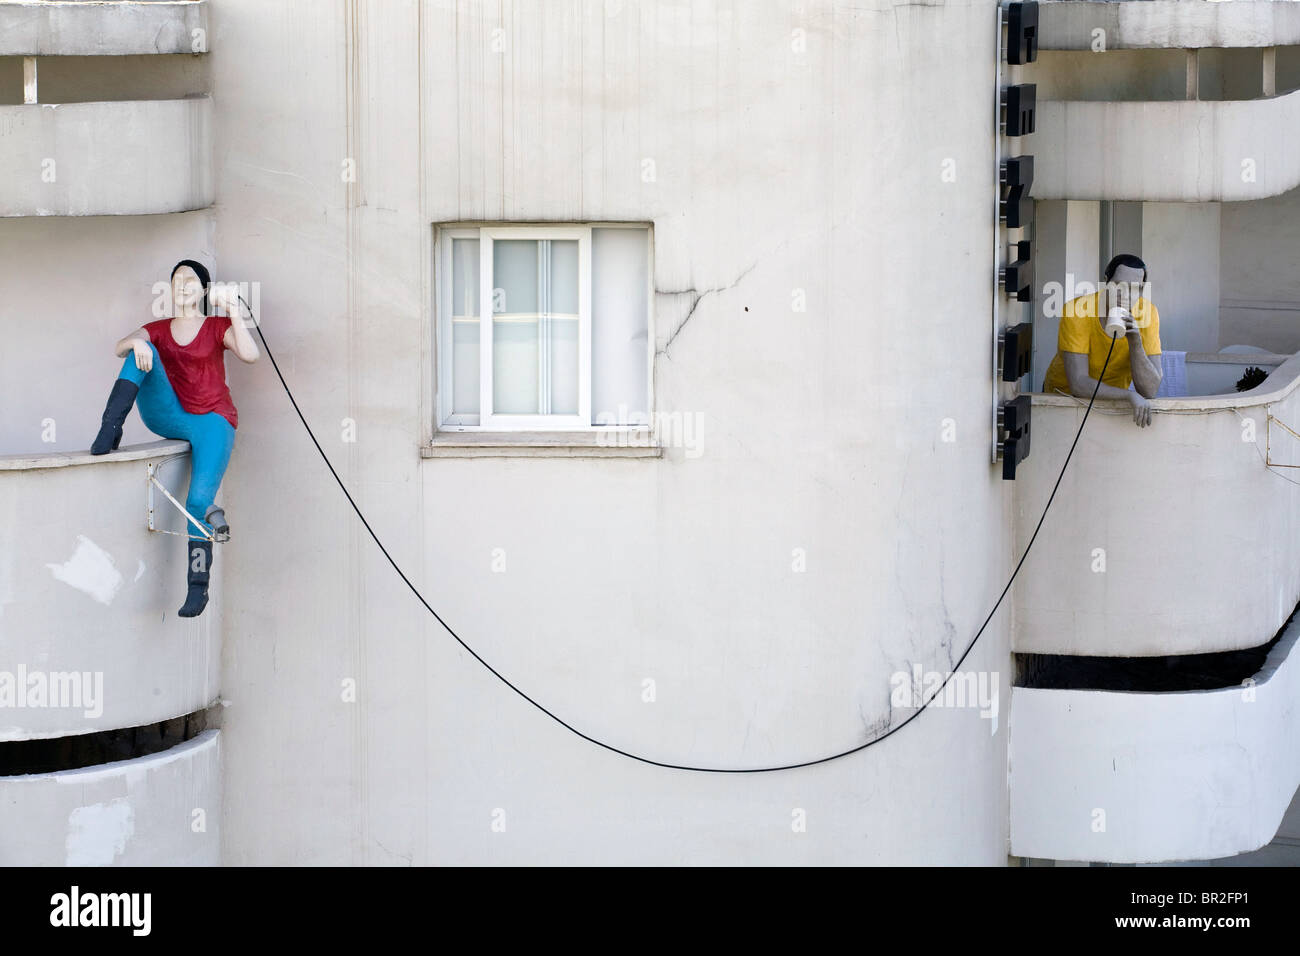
[561,327]
[515,327]
[464,326]
[619,326]
[535,326]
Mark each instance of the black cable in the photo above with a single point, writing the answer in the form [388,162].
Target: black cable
[610,747]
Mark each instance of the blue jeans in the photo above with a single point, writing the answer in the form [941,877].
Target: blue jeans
[211,437]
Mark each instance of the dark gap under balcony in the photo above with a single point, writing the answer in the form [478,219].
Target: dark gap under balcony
[1172,673]
[54,754]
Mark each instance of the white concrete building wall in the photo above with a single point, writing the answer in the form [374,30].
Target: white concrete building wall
[72,287]
[1180,245]
[777,167]
[1259,283]
[1066,235]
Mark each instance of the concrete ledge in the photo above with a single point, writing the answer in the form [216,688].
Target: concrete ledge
[127,813]
[1280,384]
[1168,24]
[65,459]
[1167,151]
[1180,776]
[130,157]
[482,444]
[117,28]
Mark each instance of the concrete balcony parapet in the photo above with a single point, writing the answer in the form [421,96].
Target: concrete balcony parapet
[1179,538]
[127,157]
[102,27]
[89,637]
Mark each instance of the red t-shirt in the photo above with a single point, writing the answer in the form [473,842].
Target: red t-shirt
[197,371]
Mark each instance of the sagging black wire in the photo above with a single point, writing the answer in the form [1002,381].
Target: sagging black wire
[610,747]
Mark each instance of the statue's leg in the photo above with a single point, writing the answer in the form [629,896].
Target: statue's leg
[160,409]
[212,439]
[120,400]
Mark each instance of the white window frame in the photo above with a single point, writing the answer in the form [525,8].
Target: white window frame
[487,420]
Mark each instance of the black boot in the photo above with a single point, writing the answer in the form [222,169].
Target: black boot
[199,567]
[120,400]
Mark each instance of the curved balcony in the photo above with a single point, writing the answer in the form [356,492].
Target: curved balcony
[87,589]
[139,812]
[1167,151]
[119,27]
[1178,538]
[1165,24]
[1125,777]
[106,158]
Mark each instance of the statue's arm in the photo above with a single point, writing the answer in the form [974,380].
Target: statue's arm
[1147,370]
[127,344]
[237,338]
[1082,383]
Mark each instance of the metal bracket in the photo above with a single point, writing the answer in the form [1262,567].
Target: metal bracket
[150,485]
[1268,441]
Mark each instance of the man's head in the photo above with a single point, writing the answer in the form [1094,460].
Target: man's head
[1126,280]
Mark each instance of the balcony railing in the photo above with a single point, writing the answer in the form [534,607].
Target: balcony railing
[1179,538]
[1131,777]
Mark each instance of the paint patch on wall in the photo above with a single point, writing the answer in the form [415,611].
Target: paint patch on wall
[90,570]
[98,834]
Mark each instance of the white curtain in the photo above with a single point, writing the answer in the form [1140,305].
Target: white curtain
[619,326]
[464,326]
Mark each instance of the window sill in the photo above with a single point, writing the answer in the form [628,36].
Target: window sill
[482,444]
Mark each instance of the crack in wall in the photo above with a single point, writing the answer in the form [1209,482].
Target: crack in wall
[699,297]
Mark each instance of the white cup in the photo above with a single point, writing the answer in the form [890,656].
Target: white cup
[1115,321]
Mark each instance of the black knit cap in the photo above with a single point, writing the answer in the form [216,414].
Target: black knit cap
[204,278]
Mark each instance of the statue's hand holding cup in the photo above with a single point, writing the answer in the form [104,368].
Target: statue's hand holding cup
[1119,321]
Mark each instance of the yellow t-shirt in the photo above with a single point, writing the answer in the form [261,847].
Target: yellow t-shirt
[1080,331]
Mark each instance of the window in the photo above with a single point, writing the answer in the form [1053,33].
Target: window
[543,327]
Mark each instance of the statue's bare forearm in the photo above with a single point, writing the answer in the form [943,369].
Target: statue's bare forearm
[126,345]
[1146,373]
[1083,389]
[245,348]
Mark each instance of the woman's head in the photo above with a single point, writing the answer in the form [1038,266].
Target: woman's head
[190,281]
